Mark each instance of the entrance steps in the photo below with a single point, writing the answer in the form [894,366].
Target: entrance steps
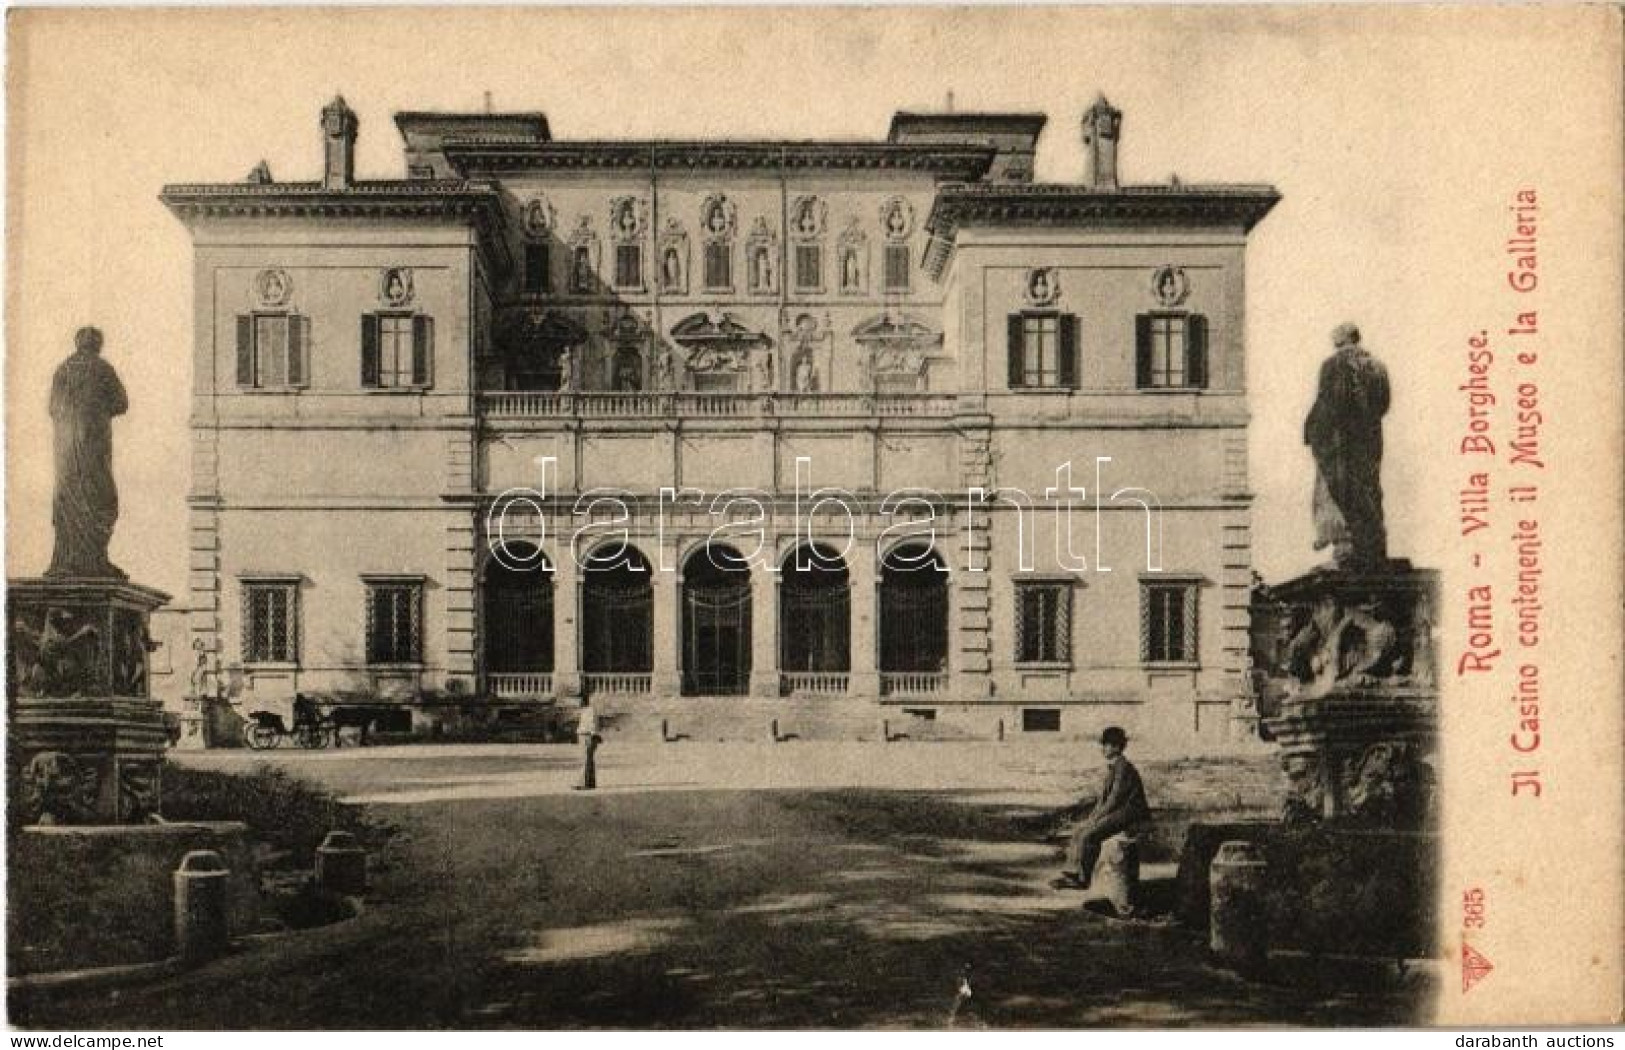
[707,718]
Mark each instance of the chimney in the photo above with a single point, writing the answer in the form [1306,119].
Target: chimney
[1101,126]
[339,128]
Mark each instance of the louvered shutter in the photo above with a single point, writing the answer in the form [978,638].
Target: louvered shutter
[1015,351]
[298,340]
[245,350]
[1196,352]
[1067,365]
[1142,350]
[369,349]
[422,349]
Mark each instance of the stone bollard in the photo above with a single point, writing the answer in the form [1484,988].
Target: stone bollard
[773,731]
[1239,913]
[885,730]
[665,732]
[201,883]
[1117,875]
[341,864]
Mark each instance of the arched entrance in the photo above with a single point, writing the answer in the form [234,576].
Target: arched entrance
[913,611]
[716,623]
[617,612]
[517,603]
[815,612]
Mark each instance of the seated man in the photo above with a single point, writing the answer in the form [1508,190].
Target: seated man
[1120,807]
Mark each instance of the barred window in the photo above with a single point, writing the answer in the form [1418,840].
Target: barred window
[395,622]
[719,273]
[270,622]
[629,266]
[1168,623]
[271,349]
[1043,622]
[809,267]
[897,267]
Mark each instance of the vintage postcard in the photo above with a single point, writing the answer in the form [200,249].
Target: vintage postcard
[915,518]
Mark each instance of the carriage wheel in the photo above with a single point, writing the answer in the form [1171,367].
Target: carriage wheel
[261,737]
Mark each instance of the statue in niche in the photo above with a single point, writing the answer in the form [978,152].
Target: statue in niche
[671,269]
[581,274]
[665,370]
[1344,432]
[628,369]
[851,276]
[761,277]
[85,396]
[804,374]
[567,378]
[764,371]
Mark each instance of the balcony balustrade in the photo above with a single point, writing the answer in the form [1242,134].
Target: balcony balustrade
[813,683]
[520,685]
[913,683]
[616,683]
[527,404]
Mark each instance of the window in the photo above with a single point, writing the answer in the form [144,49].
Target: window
[629,266]
[1043,351]
[270,622]
[897,268]
[396,350]
[809,267]
[1043,622]
[1171,351]
[1040,720]
[271,350]
[1040,338]
[537,277]
[394,622]
[719,271]
[1168,623]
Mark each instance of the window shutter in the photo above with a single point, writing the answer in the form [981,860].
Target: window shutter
[422,348]
[293,624]
[1068,362]
[369,349]
[1015,351]
[245,350]
[1196,351]
[298,340]
[1142,350]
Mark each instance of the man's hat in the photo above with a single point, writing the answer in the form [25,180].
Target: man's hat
[1114,735]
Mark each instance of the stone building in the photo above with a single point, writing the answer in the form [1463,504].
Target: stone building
[547,416]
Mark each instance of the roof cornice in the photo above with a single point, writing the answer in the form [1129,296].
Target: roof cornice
[485,156]
[994,205]
[434,200]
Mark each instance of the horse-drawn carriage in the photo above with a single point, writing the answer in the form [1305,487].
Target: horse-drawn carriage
[312,727]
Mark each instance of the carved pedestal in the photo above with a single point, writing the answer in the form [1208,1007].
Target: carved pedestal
[85,740]
[1357,719]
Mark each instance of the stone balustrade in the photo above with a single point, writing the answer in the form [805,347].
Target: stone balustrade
[528,404]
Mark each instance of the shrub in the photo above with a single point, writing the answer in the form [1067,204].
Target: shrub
[288,814]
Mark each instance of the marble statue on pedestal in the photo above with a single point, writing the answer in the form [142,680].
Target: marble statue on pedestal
[1344,431]
[85,396]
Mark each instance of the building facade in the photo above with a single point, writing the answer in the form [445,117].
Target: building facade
[875,427]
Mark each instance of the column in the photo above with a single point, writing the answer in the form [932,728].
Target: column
[764,632]
[864,578]
[566,624]
[666,624]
